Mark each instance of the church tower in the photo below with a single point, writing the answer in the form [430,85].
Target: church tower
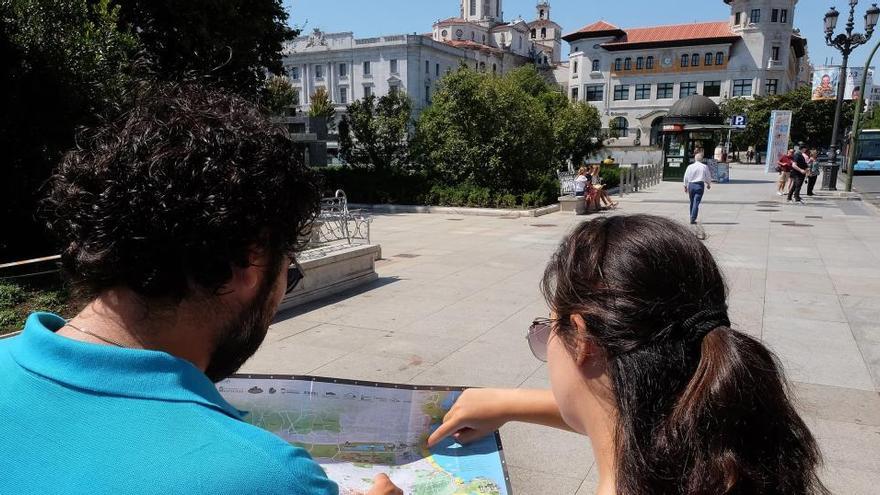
[482,11]
[768,51]
[546,34]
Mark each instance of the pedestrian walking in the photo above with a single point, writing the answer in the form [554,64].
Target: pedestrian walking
[783,167]
[697,179]
[813,163]
[798,173]
[750,154]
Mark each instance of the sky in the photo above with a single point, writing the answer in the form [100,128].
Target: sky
[368,18]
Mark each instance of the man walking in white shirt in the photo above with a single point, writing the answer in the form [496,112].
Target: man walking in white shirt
[697,178]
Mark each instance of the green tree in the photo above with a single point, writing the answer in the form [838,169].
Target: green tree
[504,133]
[64,64]
[812,121]
[374,132]
[321,106]
[230,43]
[279,96]
[576,128]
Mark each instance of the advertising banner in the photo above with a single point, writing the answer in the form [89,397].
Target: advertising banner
[777,142]
[825,80]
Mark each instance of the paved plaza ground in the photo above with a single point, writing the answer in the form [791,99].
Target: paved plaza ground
[457,293]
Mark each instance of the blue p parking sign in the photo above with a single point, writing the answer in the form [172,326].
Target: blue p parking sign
[739,121]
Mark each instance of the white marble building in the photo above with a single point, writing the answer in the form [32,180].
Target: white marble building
[634,75]
[350,68]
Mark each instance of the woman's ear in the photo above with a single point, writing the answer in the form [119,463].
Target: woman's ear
[586,347]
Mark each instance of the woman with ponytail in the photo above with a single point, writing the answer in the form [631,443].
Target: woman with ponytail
[642,359]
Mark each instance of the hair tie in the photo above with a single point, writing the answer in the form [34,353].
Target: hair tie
[703,322]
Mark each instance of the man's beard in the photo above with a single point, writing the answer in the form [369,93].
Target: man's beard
[241,338]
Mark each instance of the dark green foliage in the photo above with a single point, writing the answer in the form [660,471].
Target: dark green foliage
[812,121]
[18,301]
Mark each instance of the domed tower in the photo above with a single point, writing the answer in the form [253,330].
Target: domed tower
[546,34]
[483,11]
[768,50]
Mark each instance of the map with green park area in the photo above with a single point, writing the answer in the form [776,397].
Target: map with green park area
[356,430]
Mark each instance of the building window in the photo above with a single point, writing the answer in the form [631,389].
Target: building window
[595,65]
[367,91]
[708,59]
[393,66]
[737,19]
[627,63]
[640,63]
[473,7]
[774,54]
[367,68]
[772,86]
[392,90]
[574,94]
[594,92]
[774,15]
[427,94]
[319,72]
[742,87]
[755,17]
[719,58]
[685,60]
[473,36]
[783,16]
[649,63]
[427,67]
[534,33]
[343,95]
[543,33]
[574,69]
[437,70]
[295,97]
[621,92]
[712,88]
[294,73]
[664,90]
[343,70]
[695,60]
[643,91]
[687,89]
[618,63]
[620,127]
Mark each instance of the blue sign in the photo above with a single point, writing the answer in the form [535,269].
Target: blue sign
[739,121]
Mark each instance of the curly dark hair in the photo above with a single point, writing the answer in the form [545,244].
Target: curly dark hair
[170,196]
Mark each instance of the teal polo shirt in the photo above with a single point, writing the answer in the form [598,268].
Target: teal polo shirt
[80,418]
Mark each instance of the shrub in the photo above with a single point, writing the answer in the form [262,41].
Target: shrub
[505,200]
[530,199]
[611,176]
[480,197]
[11,295]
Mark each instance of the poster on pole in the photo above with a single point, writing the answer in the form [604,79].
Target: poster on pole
[777,142]
[825,81]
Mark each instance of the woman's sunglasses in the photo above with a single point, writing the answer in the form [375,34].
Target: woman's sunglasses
[294,276]
[539,336]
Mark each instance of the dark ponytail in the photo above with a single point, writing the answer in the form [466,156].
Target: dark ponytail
[702,408]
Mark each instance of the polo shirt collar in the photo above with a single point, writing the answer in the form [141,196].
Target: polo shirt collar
[108,370]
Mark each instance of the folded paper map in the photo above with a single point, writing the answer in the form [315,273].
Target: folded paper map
[356,430]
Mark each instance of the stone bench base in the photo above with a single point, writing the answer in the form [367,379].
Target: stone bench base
[328,272]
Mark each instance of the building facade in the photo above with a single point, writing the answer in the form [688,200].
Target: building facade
[633,76]
[350,68]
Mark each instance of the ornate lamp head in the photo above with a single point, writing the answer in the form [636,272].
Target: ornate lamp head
[831,21]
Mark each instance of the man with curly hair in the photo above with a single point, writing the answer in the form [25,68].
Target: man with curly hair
[179,222]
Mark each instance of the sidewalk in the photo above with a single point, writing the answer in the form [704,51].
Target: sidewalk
[456,295]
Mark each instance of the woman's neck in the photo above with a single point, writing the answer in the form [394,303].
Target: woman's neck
[602,440]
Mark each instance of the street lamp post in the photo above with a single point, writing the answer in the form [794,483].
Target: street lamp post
[845,43]
[871,17]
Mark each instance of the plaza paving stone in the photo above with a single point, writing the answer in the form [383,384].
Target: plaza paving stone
[456,294]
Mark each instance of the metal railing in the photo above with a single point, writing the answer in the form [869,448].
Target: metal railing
[635,177]
[337,225]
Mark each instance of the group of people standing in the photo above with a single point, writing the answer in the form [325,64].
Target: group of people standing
[588,185]
[795,167]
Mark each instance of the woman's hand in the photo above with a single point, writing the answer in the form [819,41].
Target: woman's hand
[481,411]
[477,413]
[382,485]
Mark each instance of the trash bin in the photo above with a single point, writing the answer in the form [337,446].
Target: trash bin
[829,176]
